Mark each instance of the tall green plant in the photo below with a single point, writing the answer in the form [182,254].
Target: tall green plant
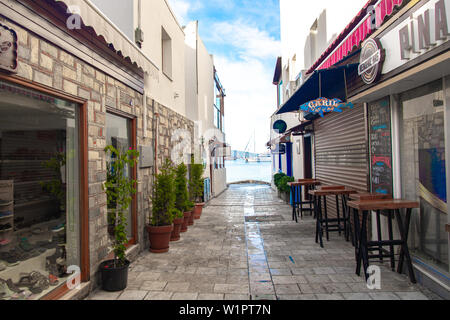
[119,190]
[196,182]
[181,191]
[163,198]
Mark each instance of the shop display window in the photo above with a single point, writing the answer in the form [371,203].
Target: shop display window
[39,192]
[422,136]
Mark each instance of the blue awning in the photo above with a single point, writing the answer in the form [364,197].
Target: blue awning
[327,83]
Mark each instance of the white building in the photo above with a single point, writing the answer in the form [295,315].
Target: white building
[185,79]
[306,32]
[205,105]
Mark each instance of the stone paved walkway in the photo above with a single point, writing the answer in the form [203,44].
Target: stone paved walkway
[246,246]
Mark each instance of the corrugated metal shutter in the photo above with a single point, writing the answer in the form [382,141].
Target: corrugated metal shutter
[341,151]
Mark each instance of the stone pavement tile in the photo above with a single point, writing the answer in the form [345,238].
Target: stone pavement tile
[210,296]
[333,296]
[300,279]
[356,296]
[153,285]
[201,287]
[237,272]
[147,275]
[383,296]
[302,271]
[104,295]
[171,276]
[158,295]
[231,288]
[284,279]
[317,278]
[233,296]
[133,295]
[411,295]
[343,278]
[264,297]
[177,287]
[184,296]
[324,270]
[236,279]
[184,270]
[206,271]
[296,297]
[255,277]
[359,287]
[262,288]
[259,269]
[348,270]
[287,289]
[281,272]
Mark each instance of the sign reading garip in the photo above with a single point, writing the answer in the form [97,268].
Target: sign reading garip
[323,105]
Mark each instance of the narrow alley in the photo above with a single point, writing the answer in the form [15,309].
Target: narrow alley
[246,247]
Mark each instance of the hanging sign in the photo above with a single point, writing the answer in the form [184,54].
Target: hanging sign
[323,105]
[371,61]
[8,49]
[280,126]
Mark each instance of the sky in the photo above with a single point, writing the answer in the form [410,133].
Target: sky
[244,37]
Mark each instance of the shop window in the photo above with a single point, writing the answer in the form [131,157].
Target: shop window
[422,135]
[39,191]
[118,134]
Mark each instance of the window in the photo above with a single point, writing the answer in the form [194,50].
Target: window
[39,186]
[280,93]
[118,134]
[423,172]
[166,53]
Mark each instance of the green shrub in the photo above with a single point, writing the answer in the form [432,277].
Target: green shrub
[181,191]
[277,178]
[283,184]
[196,183]
[163,197]
[119,190]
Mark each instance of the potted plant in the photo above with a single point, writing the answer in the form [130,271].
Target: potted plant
[119,189]
[196,188]
[284,188]
[181,197]
[163,198]
[56,186]
[188,212]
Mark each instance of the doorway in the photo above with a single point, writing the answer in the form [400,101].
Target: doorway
[307,145]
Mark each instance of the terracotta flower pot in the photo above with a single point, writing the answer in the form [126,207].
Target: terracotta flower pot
[177,223]
[184,226]
[198,210]
[159,238]
[191,218]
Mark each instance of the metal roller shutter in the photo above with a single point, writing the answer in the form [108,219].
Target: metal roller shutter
[341,151]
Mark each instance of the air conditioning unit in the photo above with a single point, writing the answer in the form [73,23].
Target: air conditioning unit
[139,36]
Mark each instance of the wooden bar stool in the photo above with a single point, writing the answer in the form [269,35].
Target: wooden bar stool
[297,202]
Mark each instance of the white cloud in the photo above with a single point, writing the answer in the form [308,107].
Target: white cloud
[182,9]
[248,40]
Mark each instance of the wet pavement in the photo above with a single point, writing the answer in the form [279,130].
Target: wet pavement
[246,247]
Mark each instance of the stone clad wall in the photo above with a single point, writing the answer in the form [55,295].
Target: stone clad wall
[45,64]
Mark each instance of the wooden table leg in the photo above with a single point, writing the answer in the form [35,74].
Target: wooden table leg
[294,213]
[299,194]
[363,244]
[318,213]
[391,238]
[326,217]
[380,238]
[338,215]
[357,241]
[404,252]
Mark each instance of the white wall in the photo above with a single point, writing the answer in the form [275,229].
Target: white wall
[168,91]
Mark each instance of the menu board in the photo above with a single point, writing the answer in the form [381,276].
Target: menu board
[379,113]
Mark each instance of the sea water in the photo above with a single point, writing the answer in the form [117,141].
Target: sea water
[239,170]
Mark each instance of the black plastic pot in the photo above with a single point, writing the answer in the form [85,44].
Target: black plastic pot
[114,278]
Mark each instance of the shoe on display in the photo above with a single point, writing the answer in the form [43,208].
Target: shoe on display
[5,214]
[59,227]
[5,226]
[5,292]
[25,245]
[4,203]
[4,242]
[13,287]
[53,280]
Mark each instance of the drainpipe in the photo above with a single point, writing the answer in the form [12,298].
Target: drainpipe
[156,126]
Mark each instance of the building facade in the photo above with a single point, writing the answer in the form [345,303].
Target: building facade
[392,64]
[71,83]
